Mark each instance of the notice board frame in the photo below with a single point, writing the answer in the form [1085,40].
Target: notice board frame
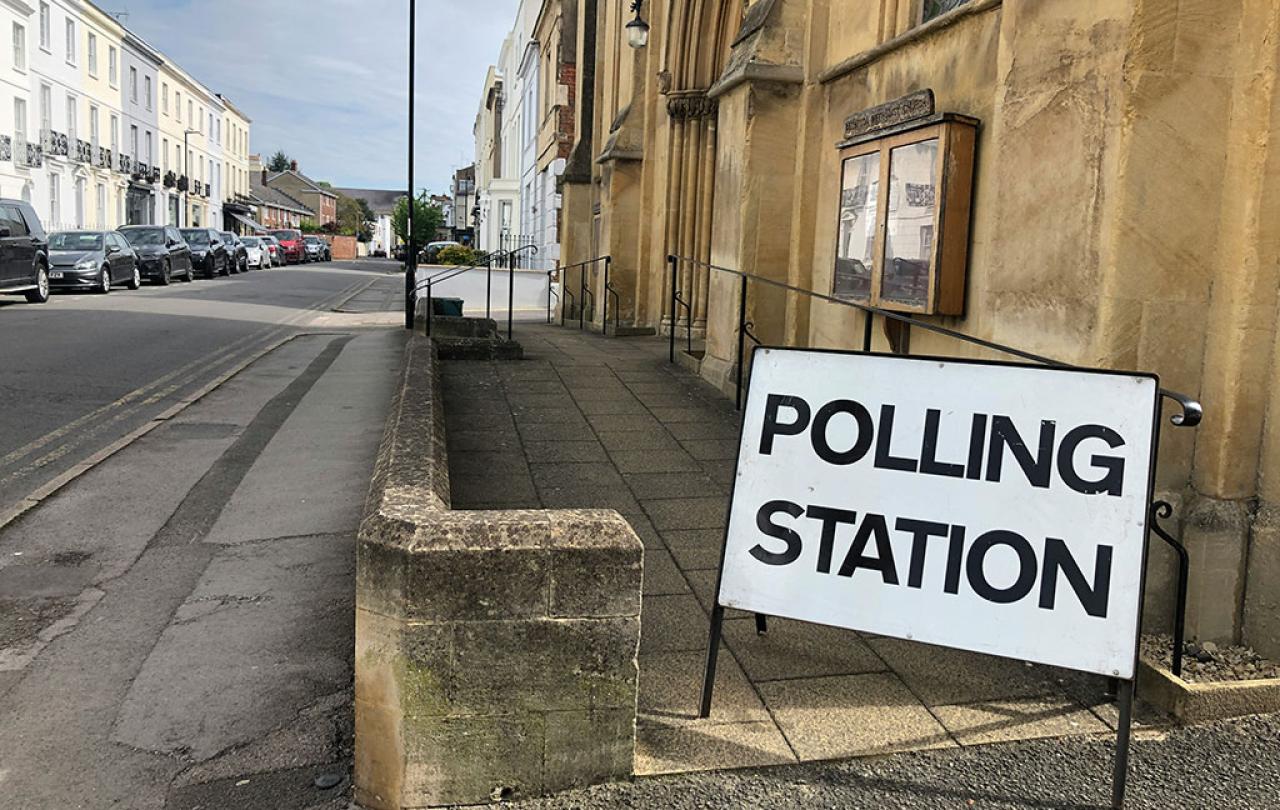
[1128,687]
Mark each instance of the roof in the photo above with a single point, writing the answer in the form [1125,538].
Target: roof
[277,198]
[382,201]
[314,185]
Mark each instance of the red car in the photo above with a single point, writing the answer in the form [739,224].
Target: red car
[295,250]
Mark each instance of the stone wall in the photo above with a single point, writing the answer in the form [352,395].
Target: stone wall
[495,651]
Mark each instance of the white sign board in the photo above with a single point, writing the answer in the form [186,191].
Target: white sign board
[997,508]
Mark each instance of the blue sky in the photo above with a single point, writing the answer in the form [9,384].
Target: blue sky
[325,80]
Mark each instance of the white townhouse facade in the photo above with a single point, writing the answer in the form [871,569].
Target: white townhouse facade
[94,120]
[16,178]
[144,191]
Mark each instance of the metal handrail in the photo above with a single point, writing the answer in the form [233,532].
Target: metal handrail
[583,290]
[1191,410]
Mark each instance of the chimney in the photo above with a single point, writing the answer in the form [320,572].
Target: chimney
[293,165]
[264,175]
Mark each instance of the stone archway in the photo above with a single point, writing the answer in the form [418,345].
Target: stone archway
[694,56]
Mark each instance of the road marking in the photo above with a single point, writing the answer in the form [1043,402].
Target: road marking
[261,337]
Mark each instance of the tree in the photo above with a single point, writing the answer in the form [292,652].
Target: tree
[280,162]
[427,219]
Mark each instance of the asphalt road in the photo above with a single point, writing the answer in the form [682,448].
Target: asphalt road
[82,371]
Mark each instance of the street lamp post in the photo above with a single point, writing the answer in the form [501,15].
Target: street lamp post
[411,265]
[186,157]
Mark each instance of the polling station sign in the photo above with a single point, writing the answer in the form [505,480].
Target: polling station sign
[991,507]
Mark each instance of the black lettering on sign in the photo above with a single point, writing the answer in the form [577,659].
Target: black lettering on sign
[831,518]
[921,531]
[764,522]
[772,427]
[1057,558]
[872,525]
[884,459]
[974,566]
[861,445]
[929,449]
[1112,482]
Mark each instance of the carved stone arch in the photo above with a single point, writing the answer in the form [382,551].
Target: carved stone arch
[695,55]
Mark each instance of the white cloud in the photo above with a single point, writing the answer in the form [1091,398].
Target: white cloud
[326,80]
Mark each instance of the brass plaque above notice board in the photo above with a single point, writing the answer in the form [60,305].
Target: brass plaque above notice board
[902,237]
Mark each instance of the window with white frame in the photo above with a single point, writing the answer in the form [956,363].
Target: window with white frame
[71,42]
[101,206]
[55,194]
[133,85]
[177,100]
[93,126]
[45,27]
[115,134]
[80,189]
[164,97]
[46,107]
[147,90]
[71,119]
[133,141]
[164,154]
[20,118]
[113,66]
[191,111]
[19,47]
[93,54]
[147,143]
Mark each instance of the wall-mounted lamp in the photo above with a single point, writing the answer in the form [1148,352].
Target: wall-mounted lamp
[637,29]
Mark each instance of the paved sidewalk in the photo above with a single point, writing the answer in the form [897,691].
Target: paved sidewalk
[587,421]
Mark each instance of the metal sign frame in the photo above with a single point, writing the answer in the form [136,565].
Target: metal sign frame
[1127,688]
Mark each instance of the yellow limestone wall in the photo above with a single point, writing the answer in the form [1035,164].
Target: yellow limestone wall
[1126,214]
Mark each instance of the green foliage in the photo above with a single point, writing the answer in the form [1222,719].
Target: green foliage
[456,255]
[427,219]
[308,226]
[279,162]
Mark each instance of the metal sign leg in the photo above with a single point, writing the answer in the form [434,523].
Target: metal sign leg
[713,652]
[1120,776]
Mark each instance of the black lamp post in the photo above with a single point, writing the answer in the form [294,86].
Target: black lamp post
[411,265]
[637,29]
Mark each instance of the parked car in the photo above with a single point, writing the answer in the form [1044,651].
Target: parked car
[316,248]
[291,242]
[162,252]
[24,257]
[92,260]
[274,252]
[208,252]
[431,253]
[236,250]
[256,253]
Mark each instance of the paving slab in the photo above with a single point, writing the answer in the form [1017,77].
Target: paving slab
[672,623]
[793,649]
[1007,720]
[662,485]
[687,513]
[539,451]
[661,575]
[852,716]
[654,461]
[941,676]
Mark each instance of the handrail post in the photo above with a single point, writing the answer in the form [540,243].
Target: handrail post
[511,292]
[866,330]
[672,261]
[604,311]
[742,341]
[582,296]
[430,307]
[548,297]
[488,288]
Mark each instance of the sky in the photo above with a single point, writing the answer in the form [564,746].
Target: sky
[326,80]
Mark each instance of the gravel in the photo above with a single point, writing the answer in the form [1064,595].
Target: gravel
[1208,662]
[1231,765]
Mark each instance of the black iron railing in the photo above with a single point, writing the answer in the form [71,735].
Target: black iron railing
[1189,414]
[508,256]
[586,294]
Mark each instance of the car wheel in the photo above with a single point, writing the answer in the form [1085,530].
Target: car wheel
[135,282]
[166,275]
[104,281]
[40,294]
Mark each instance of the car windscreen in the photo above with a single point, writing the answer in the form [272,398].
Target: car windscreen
[75,241]
[196,237]
[251,241]
[147,238]
[286,236]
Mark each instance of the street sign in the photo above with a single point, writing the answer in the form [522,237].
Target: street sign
[990,507]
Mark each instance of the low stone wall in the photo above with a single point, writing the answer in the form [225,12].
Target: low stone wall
[495,651]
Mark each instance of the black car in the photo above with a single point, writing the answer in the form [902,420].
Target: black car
[92,260]
[24,258]
[208,251]
[238,252]
[162,252]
